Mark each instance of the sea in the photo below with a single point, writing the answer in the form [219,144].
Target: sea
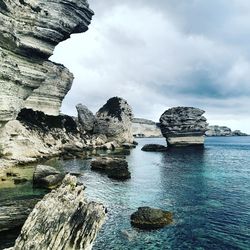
[207,190]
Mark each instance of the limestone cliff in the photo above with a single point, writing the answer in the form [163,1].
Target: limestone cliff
[216,130]
[29,32]
[145,128]
[183,126]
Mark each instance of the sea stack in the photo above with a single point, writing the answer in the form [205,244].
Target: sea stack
[183,126]
[114,120]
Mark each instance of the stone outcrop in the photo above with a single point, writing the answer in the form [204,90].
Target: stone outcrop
[47,177]
[34,136]
[86,118]
[63,219]
[223,131]
[115,168]
[151,218]
[145,128]
[29,32]
[183,126]
[114,120]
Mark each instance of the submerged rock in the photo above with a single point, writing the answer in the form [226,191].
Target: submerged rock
[47,177]
[63,219]
[154,148]
[114,120]
[151,218]
[86,118]
[115,168]
[183,126]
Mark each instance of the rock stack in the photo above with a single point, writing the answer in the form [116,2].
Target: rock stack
[183,126]
[114,120]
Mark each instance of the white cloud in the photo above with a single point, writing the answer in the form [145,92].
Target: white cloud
[159,54]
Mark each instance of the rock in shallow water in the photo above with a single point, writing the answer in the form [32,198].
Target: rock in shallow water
[183,126]
[115,168]
[154,148]
[62,220]
[151,218]
[47,177]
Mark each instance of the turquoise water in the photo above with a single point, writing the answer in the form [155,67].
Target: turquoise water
[207,190]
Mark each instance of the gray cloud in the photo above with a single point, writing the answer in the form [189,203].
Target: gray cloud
[159,54]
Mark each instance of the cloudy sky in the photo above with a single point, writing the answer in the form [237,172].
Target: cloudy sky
[159,54]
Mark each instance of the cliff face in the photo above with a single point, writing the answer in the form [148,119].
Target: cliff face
[183,126]
[216,130]
[29,32]
[145,128]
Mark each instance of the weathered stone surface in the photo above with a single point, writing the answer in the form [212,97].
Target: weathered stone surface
[145,128]
[223,131]
[154,148]
[183,126]
[63,219]
[85,117]
[115,168]
[47,177]
[14,213]
[114,120]
[151,218]
[36,135]
[29,32]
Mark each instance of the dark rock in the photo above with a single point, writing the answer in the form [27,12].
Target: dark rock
[47,177]
[154,148]
[128,145]
[14,213]
[19,180]
[151,218]
[115,168]
[11,174]
[85,117]
[183,126]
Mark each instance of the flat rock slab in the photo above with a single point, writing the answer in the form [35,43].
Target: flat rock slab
[154,148]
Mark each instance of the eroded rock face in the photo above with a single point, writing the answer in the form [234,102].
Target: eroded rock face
[85,117]
[29,32]
[183,126]
[114,120]
[63,219]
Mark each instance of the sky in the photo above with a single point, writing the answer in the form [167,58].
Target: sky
[161,54]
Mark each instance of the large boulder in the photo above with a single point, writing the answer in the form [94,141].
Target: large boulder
[85,117]
[63,219]
[115,168]
[151,218]
[114,120]
[47,177]
[183,126]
